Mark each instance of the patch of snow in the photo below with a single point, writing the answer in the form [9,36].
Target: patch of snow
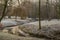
[45,22]
[8,22]
[22,21]
[11,22]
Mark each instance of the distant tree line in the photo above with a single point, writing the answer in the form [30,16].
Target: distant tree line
[50,10]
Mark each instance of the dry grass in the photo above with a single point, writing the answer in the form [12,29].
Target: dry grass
[6,36]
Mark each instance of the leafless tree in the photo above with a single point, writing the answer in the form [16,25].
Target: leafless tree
[10,8]
[3,13]
[47,8]
[39,16]
[23,15]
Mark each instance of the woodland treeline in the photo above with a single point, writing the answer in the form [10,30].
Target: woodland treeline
[49,9]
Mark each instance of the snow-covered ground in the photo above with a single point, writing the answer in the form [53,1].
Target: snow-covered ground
[33,27]
[8,22]
[12,22]
[45,22]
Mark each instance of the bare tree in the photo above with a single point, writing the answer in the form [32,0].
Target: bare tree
[5,6]
[24,13]
[39,16]
[59,10]
[47,8]
[10,8]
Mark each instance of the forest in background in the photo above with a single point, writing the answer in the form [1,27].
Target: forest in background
[49,9]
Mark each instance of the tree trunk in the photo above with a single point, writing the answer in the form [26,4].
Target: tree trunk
[39,16]
[5,6]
